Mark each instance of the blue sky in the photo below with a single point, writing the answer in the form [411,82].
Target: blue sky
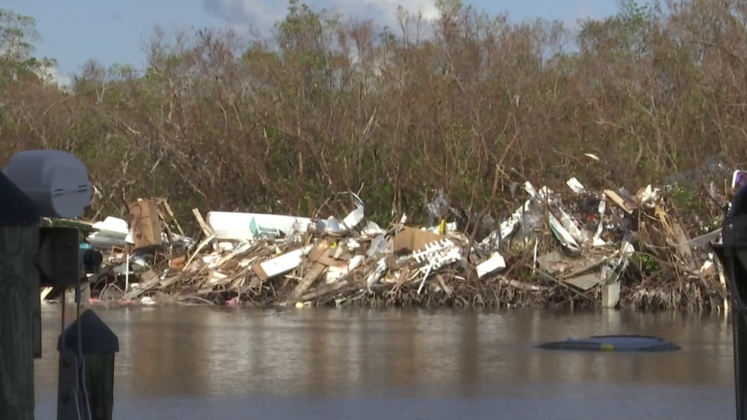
[75,31]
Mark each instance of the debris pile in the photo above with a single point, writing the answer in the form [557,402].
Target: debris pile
[599,248]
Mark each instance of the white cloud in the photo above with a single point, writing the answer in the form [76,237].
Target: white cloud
[262,14]
[52,76]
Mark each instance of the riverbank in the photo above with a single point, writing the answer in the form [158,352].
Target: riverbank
[575,247]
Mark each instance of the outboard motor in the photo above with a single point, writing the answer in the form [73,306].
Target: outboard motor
[733,256]
[89,259]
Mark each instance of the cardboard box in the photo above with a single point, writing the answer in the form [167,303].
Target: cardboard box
[414,240]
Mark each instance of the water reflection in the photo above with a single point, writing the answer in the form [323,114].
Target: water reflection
[176,356]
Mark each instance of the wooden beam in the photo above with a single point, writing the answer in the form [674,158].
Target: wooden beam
[17,247]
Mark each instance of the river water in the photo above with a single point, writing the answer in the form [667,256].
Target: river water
[208,363]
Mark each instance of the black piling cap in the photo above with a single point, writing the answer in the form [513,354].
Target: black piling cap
[97,337]
[16,208]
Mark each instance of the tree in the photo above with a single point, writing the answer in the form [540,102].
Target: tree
[17,37]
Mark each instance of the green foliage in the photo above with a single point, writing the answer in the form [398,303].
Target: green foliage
[328,104]
[624,33]
[647,264]
[686,198]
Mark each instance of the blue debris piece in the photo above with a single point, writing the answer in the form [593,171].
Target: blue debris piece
[612,343]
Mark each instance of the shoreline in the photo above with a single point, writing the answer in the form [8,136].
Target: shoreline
[498,293]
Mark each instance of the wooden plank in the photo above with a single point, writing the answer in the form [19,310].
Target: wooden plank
[621,202]
[584,281]
[171,214]
[321,255]
[17,247]
[166,225]
[148,280]
[172,280]
[200,221]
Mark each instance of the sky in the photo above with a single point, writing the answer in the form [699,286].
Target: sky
[75,31]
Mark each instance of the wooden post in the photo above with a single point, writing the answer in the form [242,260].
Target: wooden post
[19,230]
[98,346]
[310,277]
[100,384]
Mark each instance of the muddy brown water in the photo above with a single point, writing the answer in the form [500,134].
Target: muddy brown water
[208,363]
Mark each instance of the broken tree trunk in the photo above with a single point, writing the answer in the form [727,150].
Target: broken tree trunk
[316,270]
[308,279]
